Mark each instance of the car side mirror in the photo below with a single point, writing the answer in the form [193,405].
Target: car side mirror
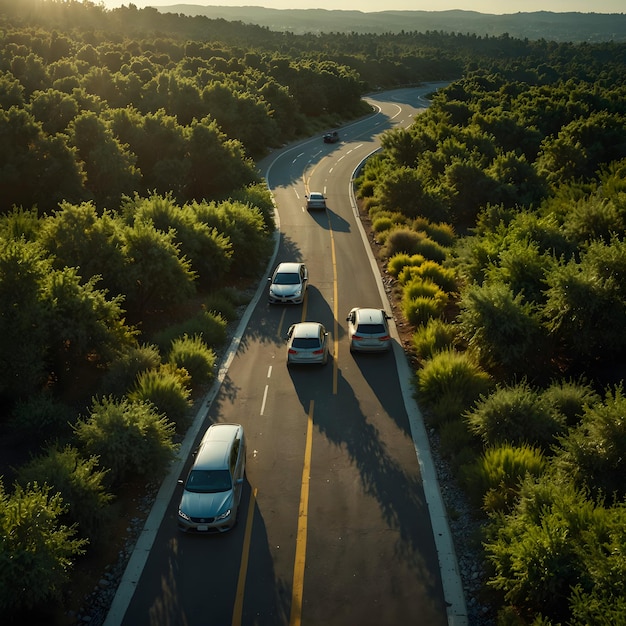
[239,481]
[180,481]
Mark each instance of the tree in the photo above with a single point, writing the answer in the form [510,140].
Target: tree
[37,552]
[130,438]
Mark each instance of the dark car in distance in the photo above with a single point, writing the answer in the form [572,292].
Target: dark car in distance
[331,137]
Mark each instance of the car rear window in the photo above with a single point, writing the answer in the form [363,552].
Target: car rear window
[306,343]
[371,329]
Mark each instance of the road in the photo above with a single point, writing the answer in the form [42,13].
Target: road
[341,522]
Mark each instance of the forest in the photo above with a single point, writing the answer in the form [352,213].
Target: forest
[132,214]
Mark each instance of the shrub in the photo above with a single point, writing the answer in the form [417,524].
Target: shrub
[208,325]
[432,337]
[41,416]
[401,240]
[515,415]
[568,399]
[401,260]
[382,223]
[130,438]
[224,303]
[458,444]
[79,481]
[442,233]
[493,480]
[37,549]
[422,300]
[193,355]
[421,310]
[452,374]
[431,250]
[123,371]
[168,391]
[431,271]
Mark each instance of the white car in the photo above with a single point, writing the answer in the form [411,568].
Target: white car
[213,487]
[315,200]
[288,283]
[368,330]
[307,342]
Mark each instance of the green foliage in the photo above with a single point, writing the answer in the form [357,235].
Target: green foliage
[194,356]
[443,277]
[168,390]
[209,325]
[594,452]
[422,300]
[454,376]
[399,261]
[432,337]
[514,414]
[37,551]
[493,481]
[556,549]
[126,366]
[79,481]
[503,330]
[568,399]
[130,438]
[24,318]
[41,416]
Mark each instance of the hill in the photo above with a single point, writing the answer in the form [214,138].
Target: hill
[574,27]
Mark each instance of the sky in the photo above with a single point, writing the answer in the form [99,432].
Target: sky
[482,6]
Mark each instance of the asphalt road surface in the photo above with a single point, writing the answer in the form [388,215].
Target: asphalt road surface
[341,522]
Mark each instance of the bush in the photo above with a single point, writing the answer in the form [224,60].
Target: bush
[422,300]
[442,233]
[209,325]
[41,417]
[432,337]
[432,271]
[79,481]
[123,371]
[451,374]
[401,240]
[130,437]
[36,549]
[401,260]
[493,481]
[457,442]
[167,389]
[431,250]
[193,355]
[421,310]
[568,399]
[515,415]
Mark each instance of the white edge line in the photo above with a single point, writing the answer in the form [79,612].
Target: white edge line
[141,551]
[448,564]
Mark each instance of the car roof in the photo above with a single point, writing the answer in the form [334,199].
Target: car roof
[316,194]
[373,316]
[306,329]
[215,446]
[289,267]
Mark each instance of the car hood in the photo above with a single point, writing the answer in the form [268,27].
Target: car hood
[285,290]
[205,504]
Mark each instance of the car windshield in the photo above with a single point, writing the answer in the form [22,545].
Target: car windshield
[371,329]
[286,279]
[306,343]
[208,481]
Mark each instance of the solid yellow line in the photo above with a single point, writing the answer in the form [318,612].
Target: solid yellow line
[243,568]
[335,309]
[295,617]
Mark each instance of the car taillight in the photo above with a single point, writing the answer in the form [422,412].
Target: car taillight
[356,337]
[385,338]
[292,351]
[321,351]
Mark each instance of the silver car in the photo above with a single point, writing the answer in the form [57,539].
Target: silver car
[212,490]
[368,330]
[315,200]
[307,342]
[288,283]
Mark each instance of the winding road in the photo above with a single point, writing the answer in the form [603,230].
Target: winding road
[341,522]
